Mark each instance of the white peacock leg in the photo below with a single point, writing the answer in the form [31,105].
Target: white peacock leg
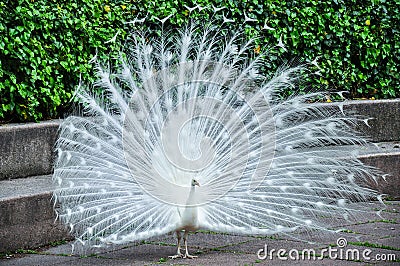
[178,236]
[187,255]
[178,252]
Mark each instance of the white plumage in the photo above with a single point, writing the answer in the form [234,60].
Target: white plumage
[191,107]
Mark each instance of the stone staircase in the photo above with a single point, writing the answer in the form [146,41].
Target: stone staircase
[27,219]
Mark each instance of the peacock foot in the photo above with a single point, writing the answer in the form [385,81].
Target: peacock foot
[187,256]
[179,255]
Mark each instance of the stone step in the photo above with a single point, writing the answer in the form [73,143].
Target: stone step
[384,125]
[389,164]
[27,149]
[27,219]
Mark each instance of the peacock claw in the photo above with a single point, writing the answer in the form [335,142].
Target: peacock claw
[187,256]
[176,256]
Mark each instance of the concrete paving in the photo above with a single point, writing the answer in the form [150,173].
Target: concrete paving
[367,241]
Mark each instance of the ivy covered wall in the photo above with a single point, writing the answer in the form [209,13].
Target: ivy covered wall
[46,45]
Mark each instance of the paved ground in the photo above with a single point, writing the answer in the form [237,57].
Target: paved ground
[376,238]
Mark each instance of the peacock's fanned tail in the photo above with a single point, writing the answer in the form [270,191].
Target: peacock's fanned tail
[191,104]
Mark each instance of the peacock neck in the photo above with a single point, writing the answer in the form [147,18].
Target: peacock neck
[191,198]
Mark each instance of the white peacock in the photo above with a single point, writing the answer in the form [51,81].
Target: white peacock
[188,134]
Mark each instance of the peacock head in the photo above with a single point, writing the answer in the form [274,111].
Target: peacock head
[195,183]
